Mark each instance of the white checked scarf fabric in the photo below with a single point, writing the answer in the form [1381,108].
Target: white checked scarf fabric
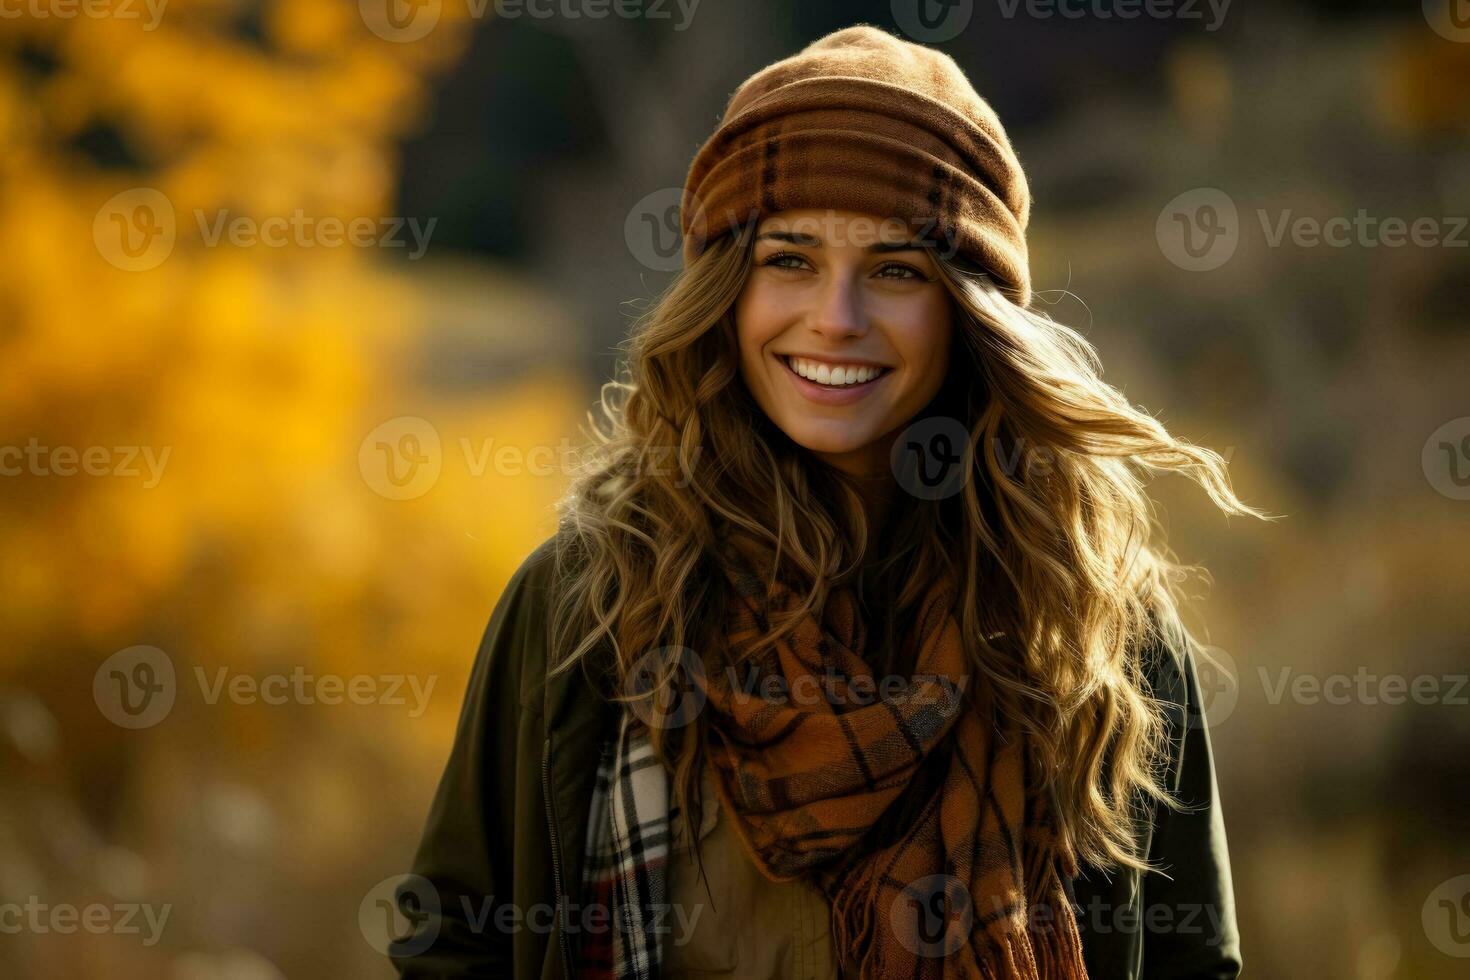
[626,859]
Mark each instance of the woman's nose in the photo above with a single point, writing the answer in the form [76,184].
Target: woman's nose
[839,310]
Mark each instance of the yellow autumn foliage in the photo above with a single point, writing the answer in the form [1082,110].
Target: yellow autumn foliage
[225,394]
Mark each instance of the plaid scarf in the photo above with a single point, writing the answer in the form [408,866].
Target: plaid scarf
[627,854]
[919,820]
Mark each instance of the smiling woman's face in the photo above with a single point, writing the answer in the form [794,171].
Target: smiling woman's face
[844,299]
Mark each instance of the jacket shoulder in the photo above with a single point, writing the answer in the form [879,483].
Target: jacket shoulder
[537,568]
[1172,670]
[1166,661]
[1190,844]
[482,819]
[513,649]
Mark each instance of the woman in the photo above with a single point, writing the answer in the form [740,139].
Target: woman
[866,554]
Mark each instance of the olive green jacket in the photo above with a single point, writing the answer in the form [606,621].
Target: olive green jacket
[495,885]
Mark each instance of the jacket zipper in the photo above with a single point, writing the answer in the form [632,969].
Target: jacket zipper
[566,955]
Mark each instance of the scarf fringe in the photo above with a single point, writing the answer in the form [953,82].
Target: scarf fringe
[853,914]
[1051,950]
[1050,956]
[1056,942]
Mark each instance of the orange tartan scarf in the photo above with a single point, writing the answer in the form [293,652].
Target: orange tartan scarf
[966,882]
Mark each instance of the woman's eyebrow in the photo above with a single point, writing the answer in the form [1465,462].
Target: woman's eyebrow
[791,237]
[811,241]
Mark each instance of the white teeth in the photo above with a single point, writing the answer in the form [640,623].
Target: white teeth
[842,374]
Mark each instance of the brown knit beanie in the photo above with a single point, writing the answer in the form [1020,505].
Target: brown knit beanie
[865,121]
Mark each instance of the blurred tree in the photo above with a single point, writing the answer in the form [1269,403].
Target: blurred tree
[230,388]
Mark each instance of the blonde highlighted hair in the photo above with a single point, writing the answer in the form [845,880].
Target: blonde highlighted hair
[1065,582]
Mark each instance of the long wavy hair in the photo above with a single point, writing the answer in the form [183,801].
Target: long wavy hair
[1065,586]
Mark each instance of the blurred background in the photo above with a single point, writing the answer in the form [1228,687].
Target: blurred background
[305,302]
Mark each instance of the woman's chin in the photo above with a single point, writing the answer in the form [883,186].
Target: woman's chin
[833,444]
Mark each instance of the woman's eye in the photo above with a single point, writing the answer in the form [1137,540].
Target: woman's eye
[907,271]
[892,270]
[779,258]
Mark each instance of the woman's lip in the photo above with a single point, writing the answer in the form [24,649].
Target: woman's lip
[834,361]
[823,395]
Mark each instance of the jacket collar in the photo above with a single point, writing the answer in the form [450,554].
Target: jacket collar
[569,701]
